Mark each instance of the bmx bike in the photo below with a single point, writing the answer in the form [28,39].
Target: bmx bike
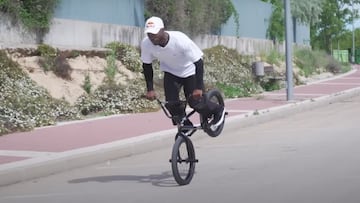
[183,158]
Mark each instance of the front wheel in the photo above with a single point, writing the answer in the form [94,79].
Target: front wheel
[215,97]
[183,160]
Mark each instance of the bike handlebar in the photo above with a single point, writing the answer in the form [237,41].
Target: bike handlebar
[166,111]
[162,104]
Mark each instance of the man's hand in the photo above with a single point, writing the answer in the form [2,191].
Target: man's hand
[150,95]
[197,93]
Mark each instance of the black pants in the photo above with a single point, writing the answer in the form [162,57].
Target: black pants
[173,85]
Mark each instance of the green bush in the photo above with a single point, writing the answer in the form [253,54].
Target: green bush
[111,99]
[55,61]
[274,57]
[336,67]
[87,83]
[235,91]
[46,50]
[315,62]
[127,54]
[269,84]
[48,55]
[61,67]
[24,105]
[229,71]
[306,61]
[111,68]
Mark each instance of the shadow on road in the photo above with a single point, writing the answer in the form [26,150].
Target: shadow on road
[164,179]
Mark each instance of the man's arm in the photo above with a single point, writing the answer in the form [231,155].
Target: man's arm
[149,74]
[199,74]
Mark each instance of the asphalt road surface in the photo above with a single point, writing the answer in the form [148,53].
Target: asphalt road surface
[311,156]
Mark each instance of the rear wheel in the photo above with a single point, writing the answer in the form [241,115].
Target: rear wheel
[215,97]
[183,160]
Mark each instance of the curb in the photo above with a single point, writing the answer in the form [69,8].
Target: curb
[59,162]
[264,115]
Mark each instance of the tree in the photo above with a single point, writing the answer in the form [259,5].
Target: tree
[344,41]
[192,16]
[276,29]
[335,16]
[35,15]
[306,12]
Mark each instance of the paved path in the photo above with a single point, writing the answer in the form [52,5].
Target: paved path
[48,150]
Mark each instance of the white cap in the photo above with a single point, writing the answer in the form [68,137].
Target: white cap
[153,25]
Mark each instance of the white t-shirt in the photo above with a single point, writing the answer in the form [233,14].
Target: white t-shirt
[177,57]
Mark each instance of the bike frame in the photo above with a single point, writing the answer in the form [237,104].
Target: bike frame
[180,122]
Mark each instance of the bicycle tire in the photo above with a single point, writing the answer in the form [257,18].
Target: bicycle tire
[183,160]
[215,96]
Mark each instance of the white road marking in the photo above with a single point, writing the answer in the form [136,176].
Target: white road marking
[333,83]
[20,153]
[296,94]
[37,195]
[238,111]
[350,78]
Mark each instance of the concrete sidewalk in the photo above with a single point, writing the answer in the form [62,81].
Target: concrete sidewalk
[49,150]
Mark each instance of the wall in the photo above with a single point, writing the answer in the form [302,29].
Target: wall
[84,34]
[11,33]
[82,23]
[120,12]
[301,34]
[71,34]
[92,24]
[253,19]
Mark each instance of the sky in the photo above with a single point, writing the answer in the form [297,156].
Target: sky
[357,21]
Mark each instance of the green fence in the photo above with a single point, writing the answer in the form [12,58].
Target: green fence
[341,55]
[357,56]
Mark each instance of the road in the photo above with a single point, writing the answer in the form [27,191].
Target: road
[311,156]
